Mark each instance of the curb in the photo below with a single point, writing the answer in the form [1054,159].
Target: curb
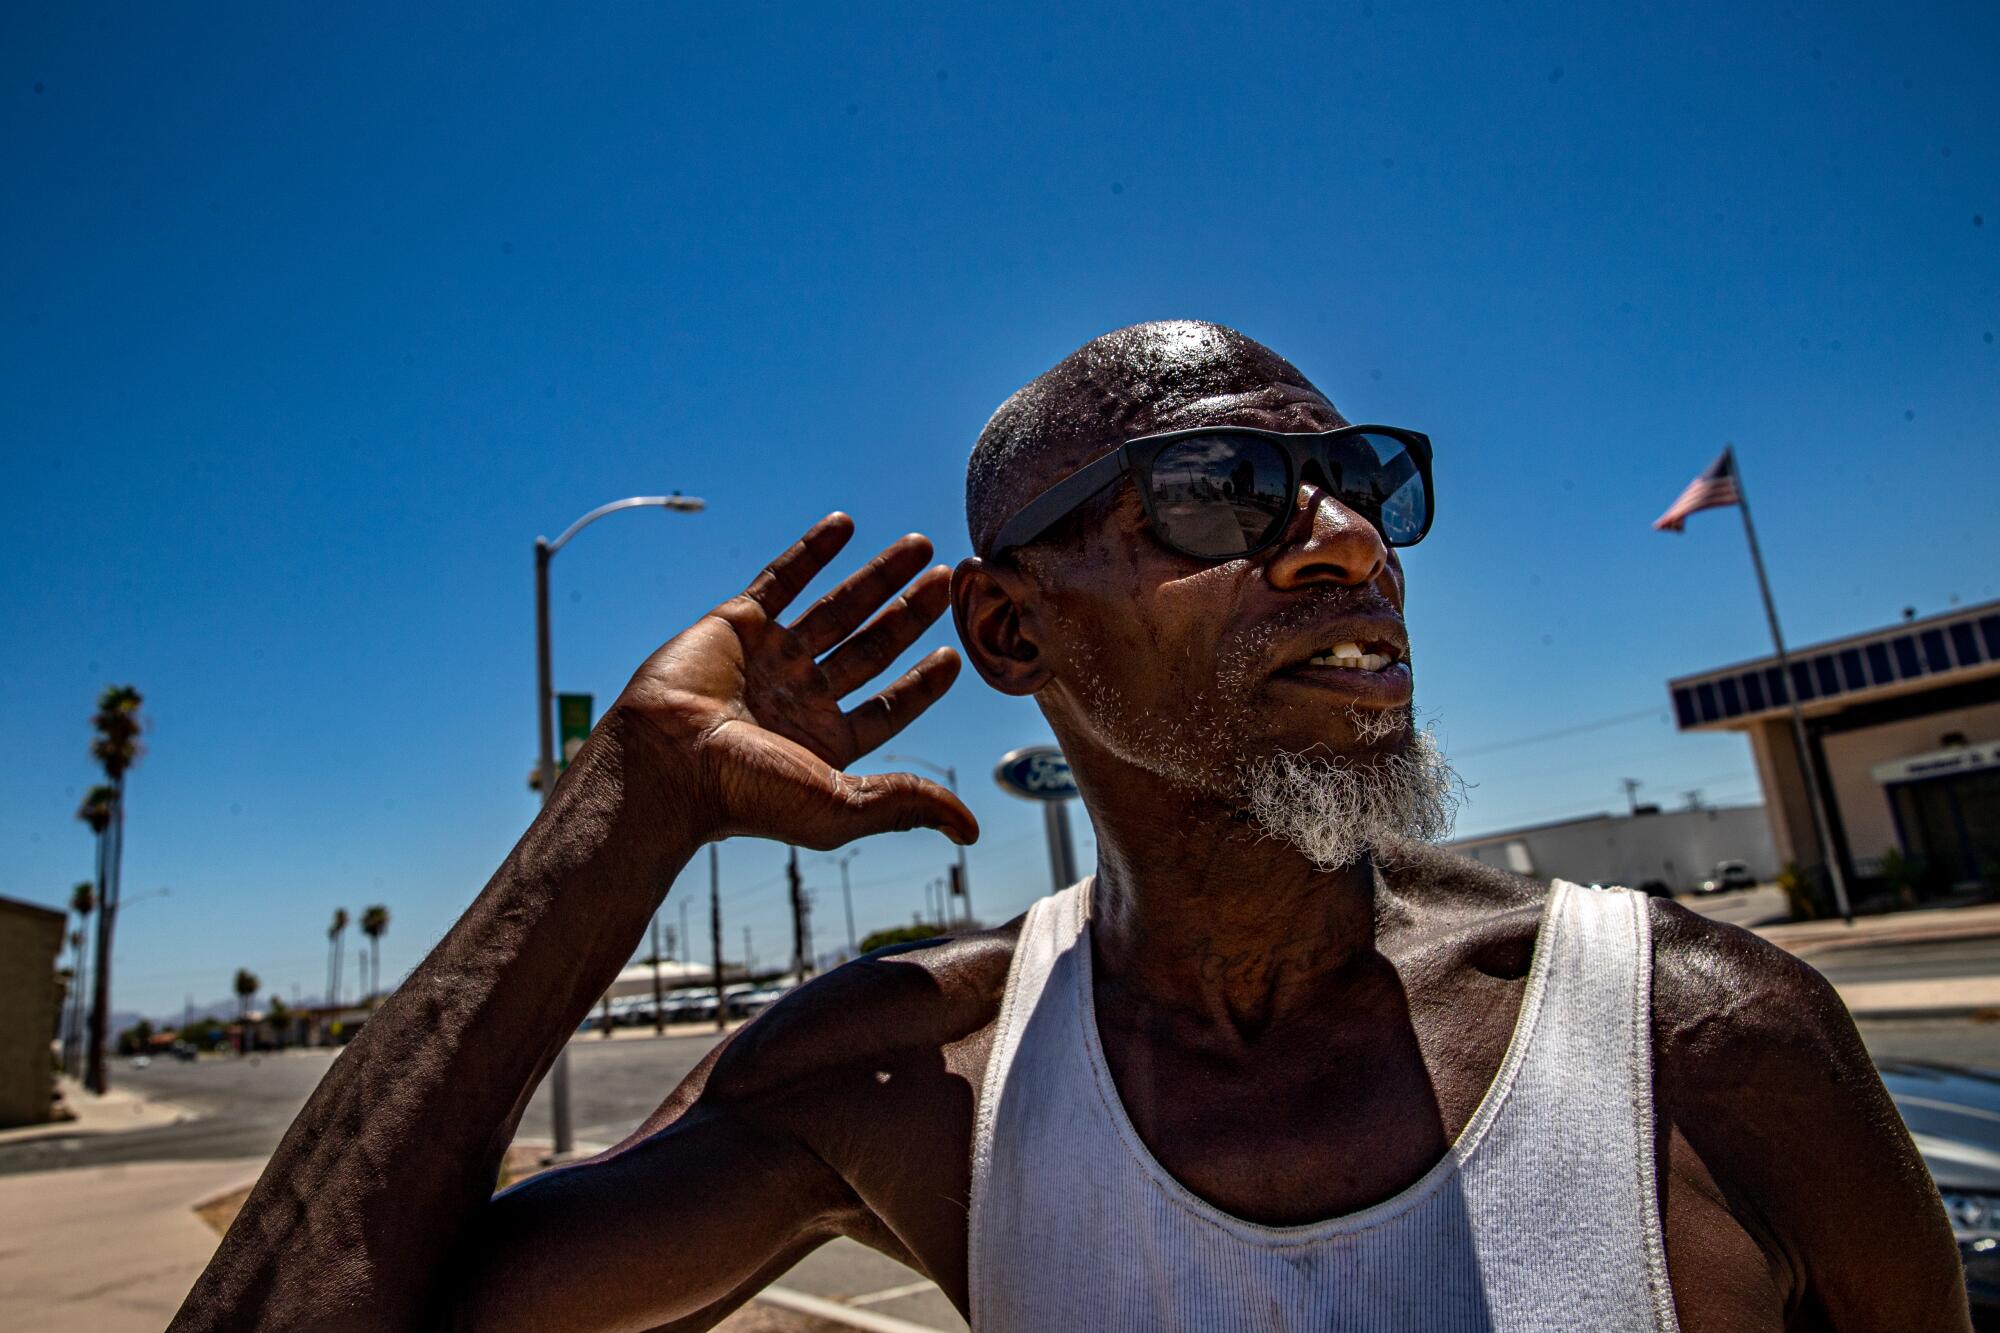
[798,1302]
[1842,944]
[1931,1013]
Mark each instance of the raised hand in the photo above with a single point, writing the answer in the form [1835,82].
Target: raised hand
[754,706]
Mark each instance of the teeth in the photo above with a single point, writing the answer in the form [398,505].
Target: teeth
[1351,657]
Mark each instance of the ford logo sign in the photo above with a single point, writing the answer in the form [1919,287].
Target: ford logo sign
[1036,773]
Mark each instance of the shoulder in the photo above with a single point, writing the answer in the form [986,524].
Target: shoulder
[1731,1009]
[1762,1077]
[899,1003]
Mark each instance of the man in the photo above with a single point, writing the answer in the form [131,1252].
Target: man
[1275,1066]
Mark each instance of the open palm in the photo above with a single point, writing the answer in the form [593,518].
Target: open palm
[757,704]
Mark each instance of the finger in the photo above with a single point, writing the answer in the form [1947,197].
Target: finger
[786,577]
[834,616]
[894,802]
[903,702]
[869,653]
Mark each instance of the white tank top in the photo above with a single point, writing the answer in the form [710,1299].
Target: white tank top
[1541,1216]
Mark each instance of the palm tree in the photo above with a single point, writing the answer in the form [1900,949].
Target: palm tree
[246,986]
[374,923]
[116,747]
[98,805]
[82,901]
[336,937]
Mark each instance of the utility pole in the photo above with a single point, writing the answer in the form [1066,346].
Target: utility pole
[798,915]
[749,958]
[846,894]
[1631,786]
[686,940]
[715,933]
[659,991]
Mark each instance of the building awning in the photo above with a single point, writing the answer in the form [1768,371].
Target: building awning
[1959,645]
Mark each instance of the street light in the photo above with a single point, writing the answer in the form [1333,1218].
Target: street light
[950,776]
[544,700]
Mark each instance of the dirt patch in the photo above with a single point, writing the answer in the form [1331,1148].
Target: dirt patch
[220,1211]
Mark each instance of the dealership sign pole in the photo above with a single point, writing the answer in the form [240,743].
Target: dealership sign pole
[1040,773]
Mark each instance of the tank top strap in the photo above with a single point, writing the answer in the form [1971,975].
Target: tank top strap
[1051,928]
[1594,957]
[1580,1106]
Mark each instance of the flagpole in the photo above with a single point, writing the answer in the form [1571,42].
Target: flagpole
[1817,805]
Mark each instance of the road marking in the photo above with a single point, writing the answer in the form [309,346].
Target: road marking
[821,1308]
[911,1289]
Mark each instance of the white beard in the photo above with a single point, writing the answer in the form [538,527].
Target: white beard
[1333,811]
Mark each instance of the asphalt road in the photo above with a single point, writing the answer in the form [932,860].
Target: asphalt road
[243,1106]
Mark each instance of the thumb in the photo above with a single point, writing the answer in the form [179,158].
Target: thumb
[894,802]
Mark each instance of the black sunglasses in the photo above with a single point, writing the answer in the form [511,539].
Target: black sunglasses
[1219,492]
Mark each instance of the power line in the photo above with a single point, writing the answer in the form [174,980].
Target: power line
[1560,732]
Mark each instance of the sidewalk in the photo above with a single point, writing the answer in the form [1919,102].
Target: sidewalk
[1949,997]
[116,1112]
[107,1248]
[1806,938]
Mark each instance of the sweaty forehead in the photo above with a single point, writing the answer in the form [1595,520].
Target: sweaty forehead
[1134,381]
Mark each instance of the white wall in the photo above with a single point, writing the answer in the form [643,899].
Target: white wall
[1678,846]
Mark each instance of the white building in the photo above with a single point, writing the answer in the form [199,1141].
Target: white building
[1677,847]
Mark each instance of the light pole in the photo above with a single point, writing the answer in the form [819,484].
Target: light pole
[545,551]
[950,776]
[846,895]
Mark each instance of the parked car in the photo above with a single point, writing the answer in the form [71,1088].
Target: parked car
[1953,1114]
[1729,875]
[754,1001]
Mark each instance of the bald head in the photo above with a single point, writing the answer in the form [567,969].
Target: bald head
[1123,384]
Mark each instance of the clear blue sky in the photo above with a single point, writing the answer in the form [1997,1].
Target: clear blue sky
[314,319]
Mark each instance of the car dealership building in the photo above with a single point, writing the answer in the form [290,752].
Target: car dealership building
[1904,723]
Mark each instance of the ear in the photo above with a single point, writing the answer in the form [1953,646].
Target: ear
[987,606]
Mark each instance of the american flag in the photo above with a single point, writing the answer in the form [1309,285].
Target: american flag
[1713,489]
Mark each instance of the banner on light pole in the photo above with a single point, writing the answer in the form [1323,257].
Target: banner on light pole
[572,726]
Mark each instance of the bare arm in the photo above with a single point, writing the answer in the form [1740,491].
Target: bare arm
[1778,1117]
[733,727]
